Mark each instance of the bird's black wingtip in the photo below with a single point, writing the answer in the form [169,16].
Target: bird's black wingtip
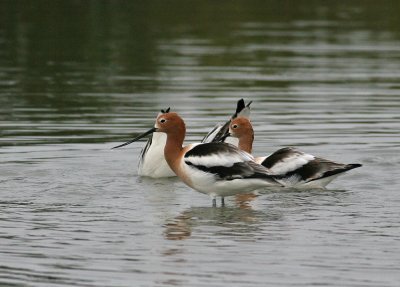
[240,106]
[354,165]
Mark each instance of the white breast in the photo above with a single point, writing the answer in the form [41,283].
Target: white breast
[153,163]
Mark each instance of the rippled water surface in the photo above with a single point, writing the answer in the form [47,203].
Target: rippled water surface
[78,77]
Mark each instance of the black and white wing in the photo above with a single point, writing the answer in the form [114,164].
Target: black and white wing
[226,162]
[216,133]
[292,164]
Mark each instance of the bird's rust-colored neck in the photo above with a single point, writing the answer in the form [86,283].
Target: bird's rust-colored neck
[173,147]
[242,129]
[246,142]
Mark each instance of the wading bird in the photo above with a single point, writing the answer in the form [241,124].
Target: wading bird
[215,169]
[293,168]
[152,162]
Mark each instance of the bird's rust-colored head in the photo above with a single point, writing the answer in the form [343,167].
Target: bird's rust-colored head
[170,123]
[167,122]
[242,129]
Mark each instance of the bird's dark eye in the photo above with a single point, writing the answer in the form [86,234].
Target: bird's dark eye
[162,121]
[234,126]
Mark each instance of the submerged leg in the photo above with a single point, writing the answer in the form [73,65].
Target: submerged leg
[214,202]
[222,201]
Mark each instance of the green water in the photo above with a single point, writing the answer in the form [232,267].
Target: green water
[78,77]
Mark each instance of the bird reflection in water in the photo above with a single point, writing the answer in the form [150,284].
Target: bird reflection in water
[237,221]
[244,200]
[179,228]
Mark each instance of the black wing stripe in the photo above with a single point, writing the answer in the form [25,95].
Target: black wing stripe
[278,156]
[239,170]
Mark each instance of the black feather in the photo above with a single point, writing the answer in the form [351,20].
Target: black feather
[239,107]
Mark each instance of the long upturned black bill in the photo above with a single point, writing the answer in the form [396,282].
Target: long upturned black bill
[152,130]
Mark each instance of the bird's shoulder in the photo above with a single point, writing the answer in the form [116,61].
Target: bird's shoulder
[218,154]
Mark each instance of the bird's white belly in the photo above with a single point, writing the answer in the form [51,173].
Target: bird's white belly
[153,163]
[206,183]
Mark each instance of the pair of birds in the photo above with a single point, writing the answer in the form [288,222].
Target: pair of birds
[222,165]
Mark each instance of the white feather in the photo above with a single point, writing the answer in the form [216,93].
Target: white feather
[290,163]
[232,140]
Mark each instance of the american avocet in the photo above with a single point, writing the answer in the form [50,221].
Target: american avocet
[152,162]
[216,169]
[292,167]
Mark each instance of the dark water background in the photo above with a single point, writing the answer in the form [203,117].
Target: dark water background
[78,77]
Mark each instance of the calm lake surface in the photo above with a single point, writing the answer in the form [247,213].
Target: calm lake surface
[79,77]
